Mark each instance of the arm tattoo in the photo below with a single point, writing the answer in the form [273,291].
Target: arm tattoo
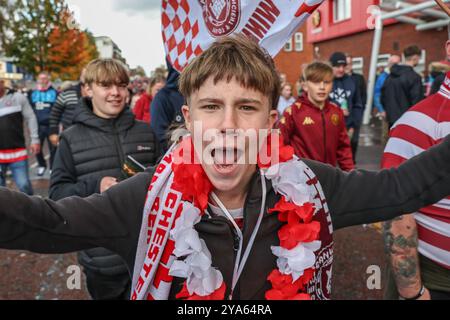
[405,271]
[401,241]
[387,234]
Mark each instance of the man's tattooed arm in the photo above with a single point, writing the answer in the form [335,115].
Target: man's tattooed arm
[401,241]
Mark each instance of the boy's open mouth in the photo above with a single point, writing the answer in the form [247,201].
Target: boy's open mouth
[226,159]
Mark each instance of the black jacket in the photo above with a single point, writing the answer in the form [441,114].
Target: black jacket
[90,150]
[166,108]
[360,82]
[113,219]
[345,90]
[401,90]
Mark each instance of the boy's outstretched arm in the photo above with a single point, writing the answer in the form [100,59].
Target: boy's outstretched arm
[361,197]
[73,224]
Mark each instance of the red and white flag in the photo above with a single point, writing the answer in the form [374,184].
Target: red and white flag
[190,26]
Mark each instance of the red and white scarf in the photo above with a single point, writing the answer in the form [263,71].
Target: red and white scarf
[169,246]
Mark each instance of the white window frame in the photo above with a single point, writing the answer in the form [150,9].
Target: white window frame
[388,3]
[288,46]
[298,41]
[383,60]
[342,10]
[358,65]
[421,67]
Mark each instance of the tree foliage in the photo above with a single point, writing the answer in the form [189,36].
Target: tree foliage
[70,50]
[40,35]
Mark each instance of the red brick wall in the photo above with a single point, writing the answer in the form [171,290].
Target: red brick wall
[330,29]
[290,62]
[360,45]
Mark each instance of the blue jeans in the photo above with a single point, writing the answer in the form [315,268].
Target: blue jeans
[20,175]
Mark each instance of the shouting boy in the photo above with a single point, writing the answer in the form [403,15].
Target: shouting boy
[205,224]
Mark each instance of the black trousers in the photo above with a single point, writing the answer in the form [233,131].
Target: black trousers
[44,136]
[355,142]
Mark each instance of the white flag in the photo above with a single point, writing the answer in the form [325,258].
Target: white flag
[190,26]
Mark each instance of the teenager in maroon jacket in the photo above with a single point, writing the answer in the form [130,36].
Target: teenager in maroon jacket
[314,126]
[142,108]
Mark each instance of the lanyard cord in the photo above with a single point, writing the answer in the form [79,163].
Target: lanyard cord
[239,265]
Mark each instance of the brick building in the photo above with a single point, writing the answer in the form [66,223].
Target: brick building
[296,52]
[343,25]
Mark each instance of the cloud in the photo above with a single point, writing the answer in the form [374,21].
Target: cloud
[133,7]
[134,25]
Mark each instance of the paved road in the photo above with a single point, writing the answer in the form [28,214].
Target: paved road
[30,276]
[27,276]
[358,249]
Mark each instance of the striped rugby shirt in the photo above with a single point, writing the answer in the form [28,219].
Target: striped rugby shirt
[421,127]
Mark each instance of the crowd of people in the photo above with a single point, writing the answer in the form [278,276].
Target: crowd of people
[108,127]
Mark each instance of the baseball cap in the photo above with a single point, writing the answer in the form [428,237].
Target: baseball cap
[338,59]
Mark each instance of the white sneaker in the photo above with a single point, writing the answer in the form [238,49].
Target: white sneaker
[41,171]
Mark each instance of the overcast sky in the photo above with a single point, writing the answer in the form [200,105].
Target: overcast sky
[133,24]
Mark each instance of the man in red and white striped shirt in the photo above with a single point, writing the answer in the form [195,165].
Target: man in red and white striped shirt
[419,245]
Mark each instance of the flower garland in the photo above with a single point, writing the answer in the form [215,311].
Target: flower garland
[298,237]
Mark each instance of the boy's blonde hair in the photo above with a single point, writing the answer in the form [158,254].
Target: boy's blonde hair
[107,72]
[318,71]
[234,57]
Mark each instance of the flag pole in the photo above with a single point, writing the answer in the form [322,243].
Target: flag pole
[443,7]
